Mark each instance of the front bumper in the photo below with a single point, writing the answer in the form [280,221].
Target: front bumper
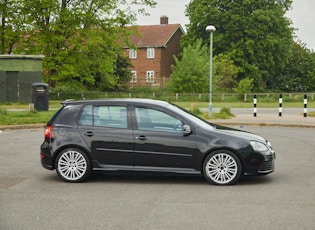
[261,164]
[266,167]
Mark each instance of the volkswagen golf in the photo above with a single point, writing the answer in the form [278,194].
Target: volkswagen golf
[148,136]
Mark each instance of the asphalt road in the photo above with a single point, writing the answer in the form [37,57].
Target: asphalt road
[34,198]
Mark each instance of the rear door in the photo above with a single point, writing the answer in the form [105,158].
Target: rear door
[107,130]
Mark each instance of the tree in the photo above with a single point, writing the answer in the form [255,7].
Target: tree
[225,73]
[80,39]
[122,70]
[255,33]
[190,73]
[244,86]
[11,24]
[299,73]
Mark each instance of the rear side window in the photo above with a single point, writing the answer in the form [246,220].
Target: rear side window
[104,116]
[66,115]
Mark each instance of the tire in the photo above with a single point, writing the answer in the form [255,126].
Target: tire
[73,165]
[222,167]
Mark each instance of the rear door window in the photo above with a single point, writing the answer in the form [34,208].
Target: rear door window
[110,116]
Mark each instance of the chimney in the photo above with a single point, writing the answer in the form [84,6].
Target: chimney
[164,20]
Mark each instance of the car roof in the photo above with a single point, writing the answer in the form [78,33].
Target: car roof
[118,100]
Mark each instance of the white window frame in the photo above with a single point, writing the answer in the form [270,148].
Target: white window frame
[132,54]
[150,52]
[149,76]
[133,76]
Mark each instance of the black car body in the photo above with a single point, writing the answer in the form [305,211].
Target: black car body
[148,135]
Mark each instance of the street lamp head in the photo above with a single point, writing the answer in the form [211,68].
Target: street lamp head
[210,28]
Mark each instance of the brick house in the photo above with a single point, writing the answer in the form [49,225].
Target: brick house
[153,56]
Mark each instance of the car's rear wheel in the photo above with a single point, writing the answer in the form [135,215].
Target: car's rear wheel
[222,167]
[73,165]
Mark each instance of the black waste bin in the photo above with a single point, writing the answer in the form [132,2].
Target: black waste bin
[40,96]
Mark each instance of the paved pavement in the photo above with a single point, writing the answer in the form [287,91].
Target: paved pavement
[33,198]
[268,117]
[291,117]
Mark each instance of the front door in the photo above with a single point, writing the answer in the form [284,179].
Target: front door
[160,143]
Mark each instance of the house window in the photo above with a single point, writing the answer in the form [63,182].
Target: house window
[132,54]
[133,76]
[150,76]
[150,52]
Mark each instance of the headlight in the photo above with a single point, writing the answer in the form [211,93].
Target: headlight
[258,146]
[269,145]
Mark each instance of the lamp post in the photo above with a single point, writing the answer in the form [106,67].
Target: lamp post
[210,29]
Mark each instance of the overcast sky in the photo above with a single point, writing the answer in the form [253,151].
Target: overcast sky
[302,16]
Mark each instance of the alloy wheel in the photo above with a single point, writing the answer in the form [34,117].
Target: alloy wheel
[222,168]
[72,165]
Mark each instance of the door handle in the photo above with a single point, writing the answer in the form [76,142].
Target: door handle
[89,134]
[141,138]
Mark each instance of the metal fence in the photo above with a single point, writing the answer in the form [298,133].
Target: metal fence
[202,97]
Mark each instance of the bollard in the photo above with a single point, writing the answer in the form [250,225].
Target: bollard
[31,107]
[255,105]
[280,105]
[192,108]
[305,105]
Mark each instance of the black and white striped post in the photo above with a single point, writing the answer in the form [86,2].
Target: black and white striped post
[255,105]
[280,105]
[305,105]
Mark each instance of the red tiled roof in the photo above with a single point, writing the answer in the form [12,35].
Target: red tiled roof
[155,35]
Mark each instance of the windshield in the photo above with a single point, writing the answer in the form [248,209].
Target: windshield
[196,120]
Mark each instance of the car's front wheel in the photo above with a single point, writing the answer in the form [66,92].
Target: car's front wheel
[222,167]
[73,165]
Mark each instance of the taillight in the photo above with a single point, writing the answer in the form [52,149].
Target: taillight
[48,133]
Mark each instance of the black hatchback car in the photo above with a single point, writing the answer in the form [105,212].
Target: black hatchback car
[149,136]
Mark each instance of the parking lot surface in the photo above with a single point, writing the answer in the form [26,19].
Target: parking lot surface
[34,198]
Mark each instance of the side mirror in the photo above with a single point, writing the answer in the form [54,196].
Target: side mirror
[186,130]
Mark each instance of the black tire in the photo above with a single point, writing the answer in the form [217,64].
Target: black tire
[222,167]
[73,165]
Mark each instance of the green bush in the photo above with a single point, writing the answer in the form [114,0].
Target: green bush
[225,113]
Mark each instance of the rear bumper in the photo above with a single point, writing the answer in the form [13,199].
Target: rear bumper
[46,158]
[45,165]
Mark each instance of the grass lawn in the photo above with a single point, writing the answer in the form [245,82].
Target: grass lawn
[24,117]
